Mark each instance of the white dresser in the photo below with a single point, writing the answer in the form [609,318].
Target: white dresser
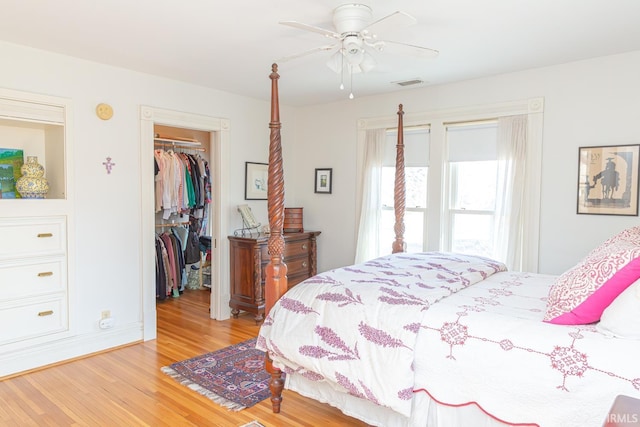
[33,277]
[36,235]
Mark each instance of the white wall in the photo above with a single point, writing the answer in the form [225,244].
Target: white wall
[107,206]
[594,102]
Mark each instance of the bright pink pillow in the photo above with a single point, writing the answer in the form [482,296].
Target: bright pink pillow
[581,294]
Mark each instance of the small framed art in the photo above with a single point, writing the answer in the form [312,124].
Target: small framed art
[324,180]
[608,180]
[11,161]
[255,181]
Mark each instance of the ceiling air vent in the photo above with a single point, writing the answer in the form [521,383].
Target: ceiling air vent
[409,82]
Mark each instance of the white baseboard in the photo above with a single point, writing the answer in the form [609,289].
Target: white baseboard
[44,354]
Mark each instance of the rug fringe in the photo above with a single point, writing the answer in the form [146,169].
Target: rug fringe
[216,398]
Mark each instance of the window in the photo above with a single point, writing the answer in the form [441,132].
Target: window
[472,186]
[478,168]
[416,141]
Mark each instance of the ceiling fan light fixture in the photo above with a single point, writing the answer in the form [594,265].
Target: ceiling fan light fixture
[355,58]
[368,62]
[378,45]
[352,49]
[336,61]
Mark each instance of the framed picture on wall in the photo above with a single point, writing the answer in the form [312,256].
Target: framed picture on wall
[608,180]
[324,180]
[255,180]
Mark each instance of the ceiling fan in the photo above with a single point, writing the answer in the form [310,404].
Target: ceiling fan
[357,39]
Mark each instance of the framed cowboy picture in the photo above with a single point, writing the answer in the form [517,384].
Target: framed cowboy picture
[608,180]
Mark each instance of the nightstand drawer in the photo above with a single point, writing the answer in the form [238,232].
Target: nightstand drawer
[32,236]
[30,277]
[292,249]
[298,266]
[33,319]
[296,248]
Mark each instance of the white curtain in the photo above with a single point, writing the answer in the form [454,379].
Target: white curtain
[367,246]
[510,217]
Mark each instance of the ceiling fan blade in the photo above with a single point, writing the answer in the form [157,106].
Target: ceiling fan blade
[307,27]
[307,52]
[407,49]
[389,23]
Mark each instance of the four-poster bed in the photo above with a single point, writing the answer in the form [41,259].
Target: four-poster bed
[441,339]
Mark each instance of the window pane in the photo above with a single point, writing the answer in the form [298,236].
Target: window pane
[388,182]
[415,182]
[413,231]
[472,234]
[474,185]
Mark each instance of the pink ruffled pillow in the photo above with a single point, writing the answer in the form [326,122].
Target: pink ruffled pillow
[580,295]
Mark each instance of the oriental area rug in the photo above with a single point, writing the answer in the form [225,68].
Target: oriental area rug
[233,377]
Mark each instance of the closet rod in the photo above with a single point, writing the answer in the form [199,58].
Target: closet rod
[173,224]
[186,143]
[179,145]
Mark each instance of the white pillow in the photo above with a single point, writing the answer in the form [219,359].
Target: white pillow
[622,318]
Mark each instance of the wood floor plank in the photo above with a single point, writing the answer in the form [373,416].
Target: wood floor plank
[125,387]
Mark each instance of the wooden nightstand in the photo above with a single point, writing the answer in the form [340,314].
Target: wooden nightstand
[248,258]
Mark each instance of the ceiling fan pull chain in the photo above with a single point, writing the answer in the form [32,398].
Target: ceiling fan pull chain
[342,71]
[351,81]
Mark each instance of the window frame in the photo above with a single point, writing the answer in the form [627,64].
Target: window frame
[437,179]
[450,193]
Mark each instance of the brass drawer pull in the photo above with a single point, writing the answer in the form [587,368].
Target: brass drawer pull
[305,264]
[45,313]
[45,274]
[40,235]
[304,246]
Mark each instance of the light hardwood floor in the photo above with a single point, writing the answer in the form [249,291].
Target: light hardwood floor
[125,387]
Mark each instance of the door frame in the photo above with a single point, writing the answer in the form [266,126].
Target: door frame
[219,159]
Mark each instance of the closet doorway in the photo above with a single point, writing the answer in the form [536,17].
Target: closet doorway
[213,135]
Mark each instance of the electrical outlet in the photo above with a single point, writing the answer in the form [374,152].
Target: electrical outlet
[107,323]
[105,314]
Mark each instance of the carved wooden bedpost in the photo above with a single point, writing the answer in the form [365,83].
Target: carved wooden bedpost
[399,190]
[276,269]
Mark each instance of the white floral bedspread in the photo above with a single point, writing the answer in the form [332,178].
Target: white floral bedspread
[356,327]
[488,344]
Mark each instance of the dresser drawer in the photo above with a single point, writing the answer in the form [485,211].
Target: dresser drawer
[298,266]
[32,236]
[296,248]
[292,249]
[33,320]
[30,277]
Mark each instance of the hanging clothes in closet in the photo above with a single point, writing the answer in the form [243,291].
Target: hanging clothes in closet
[182,184]
[171,262]
[182,188]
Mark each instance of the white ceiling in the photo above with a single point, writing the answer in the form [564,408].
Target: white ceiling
[230,45]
